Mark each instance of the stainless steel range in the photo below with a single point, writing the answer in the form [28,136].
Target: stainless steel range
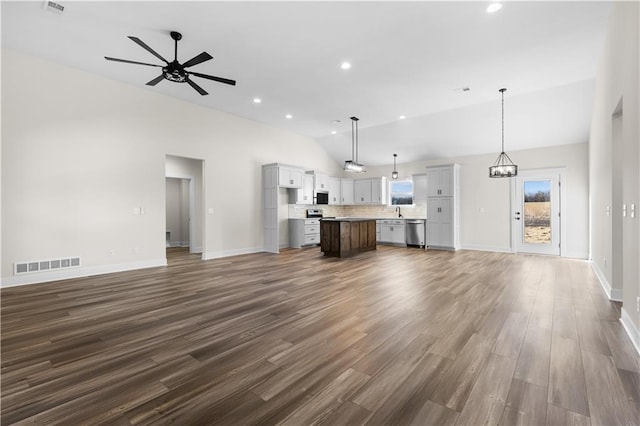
[314,213]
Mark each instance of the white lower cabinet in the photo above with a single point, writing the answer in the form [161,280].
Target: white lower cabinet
[392,231]
[304,232]
[440,223]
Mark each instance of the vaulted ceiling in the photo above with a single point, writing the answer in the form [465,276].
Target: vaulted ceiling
[408,59]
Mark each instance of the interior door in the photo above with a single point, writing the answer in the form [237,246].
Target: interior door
[536,213]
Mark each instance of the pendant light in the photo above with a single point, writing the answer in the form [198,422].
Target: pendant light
[394,174]
[353,165]
[503,166]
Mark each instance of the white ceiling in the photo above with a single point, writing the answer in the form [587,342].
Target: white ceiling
[408,58]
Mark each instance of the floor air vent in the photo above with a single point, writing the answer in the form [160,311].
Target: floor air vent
[46,265]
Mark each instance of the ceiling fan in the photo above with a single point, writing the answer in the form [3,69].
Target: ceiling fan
[175,71]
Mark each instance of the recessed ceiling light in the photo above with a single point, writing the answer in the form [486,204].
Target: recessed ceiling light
[494,7]
[257,100]
[289,116]
[345,65]
[402,117]
[333,132]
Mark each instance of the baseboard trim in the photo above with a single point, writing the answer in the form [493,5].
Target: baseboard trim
[79,272]
[179,244]
[581,256]
[612,293]
[479,247]
[631,329]
[228,253]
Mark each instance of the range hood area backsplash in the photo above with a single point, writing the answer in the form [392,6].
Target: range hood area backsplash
[419,211]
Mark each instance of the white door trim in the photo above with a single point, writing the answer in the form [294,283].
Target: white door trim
[560,172]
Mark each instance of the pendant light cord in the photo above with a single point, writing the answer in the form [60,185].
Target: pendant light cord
[352,141]
[354,134]
[357,142]
[502,91]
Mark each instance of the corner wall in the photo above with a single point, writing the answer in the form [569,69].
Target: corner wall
[81,154]
[614,168]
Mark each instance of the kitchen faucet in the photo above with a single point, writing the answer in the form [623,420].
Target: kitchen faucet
[398,210]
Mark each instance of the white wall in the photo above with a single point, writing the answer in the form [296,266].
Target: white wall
[617,84]
[177,202]
[80,153]
[491,228]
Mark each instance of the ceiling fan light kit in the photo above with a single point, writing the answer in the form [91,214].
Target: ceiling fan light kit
[175,71]
[503,166]
[353,165]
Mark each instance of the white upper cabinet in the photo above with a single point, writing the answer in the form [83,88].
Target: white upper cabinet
[379,190]
[440,181]
[419,188]
[290,177]
[362,191]
[376,192]
[305,195]
[370,191]
[335,191]
[320,181]
[346,191]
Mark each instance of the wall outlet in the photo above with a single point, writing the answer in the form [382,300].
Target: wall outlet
[112,252]
[638,304]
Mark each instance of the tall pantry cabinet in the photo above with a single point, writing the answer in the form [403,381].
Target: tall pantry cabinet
[443,218]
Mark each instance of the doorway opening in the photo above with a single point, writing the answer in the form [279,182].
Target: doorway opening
[178,207]
[184,204]
[536,218]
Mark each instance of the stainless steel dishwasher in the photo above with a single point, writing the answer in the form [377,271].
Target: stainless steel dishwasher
[415,232]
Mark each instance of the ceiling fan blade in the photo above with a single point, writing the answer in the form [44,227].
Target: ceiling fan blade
[147,48]
[198,88]
[211,77]
[156,80]
[204,56]
[130,62]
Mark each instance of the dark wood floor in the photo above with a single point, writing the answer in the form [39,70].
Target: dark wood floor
[396,336]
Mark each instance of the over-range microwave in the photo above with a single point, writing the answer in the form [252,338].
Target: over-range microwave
[322,198]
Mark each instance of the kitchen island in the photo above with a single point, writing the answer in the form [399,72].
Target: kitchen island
[344,237]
